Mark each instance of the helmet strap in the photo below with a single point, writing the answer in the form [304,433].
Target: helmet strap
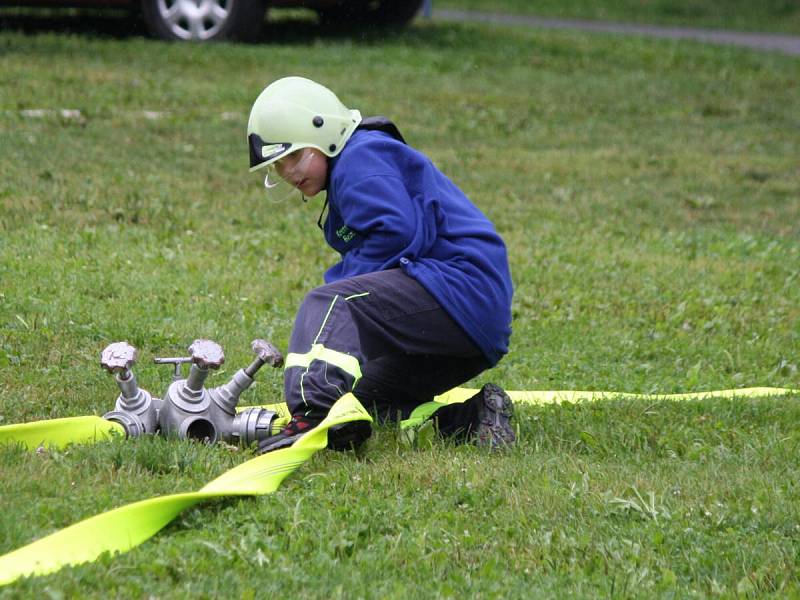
[322,212]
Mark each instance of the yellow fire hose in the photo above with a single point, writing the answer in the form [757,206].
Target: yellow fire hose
[126,527]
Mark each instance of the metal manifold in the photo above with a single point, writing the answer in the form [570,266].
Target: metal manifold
[187,409]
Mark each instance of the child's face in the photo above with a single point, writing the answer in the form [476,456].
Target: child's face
[306,169]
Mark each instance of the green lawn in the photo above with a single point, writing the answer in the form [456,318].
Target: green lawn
[782,16]
[648,192]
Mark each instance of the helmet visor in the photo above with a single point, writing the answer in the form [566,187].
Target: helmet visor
[285,176]
[263,152]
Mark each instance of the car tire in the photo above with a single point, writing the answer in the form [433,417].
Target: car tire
[204,20]
[381,13]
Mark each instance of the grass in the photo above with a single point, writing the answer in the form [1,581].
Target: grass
[779,16]
[648,194]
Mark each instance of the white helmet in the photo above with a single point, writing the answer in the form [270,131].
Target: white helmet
[294,113]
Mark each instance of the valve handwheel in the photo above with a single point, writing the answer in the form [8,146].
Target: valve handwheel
[207,354]
[267,353]
[118,357]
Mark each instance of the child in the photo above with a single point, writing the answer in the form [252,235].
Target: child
[421,299]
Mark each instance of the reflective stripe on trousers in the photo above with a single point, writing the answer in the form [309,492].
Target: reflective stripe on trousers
[382,332]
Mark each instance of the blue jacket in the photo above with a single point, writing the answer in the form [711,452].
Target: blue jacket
[389,206]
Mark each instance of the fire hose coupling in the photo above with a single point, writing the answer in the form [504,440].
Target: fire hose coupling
[188,410]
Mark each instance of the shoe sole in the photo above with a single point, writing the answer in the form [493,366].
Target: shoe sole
[349,436]
[281,443]
[496,410]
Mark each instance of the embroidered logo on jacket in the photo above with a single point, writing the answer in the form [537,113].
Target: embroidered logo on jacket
[345,234]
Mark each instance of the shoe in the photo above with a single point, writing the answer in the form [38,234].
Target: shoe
[287,436]
[495,409]
[349,436]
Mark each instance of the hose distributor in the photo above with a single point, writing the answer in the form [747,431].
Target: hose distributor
[187,409]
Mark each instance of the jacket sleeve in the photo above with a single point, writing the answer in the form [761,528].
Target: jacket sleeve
[390,225]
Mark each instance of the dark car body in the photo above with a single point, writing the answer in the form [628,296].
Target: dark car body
[206,20]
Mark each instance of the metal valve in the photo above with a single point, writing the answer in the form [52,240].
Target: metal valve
[207,354]
[265,353]
[118,358]
[188,410]
[135,409]
[252,424]
[177,362]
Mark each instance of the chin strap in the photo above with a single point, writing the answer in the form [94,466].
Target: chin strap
[322,212]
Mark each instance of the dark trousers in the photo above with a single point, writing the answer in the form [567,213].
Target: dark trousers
[383,337]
